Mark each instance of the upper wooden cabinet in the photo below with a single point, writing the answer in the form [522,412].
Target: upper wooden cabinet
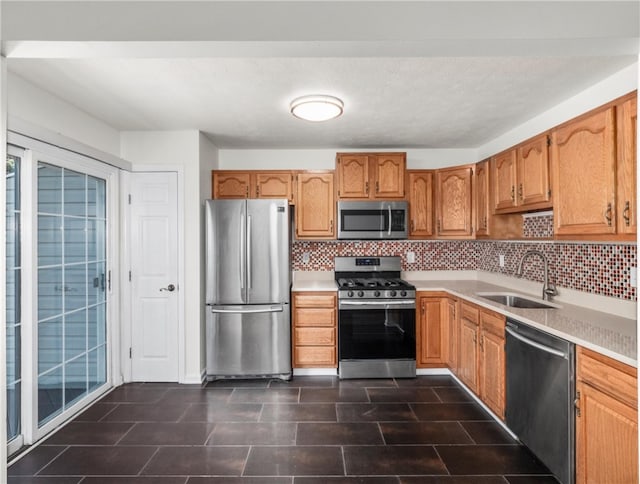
[420,203]
[315,206]
[253,184]
[627,126]
[520,177]
[453,202]
[364,176]
[583,159]
[593,160]
[481,200]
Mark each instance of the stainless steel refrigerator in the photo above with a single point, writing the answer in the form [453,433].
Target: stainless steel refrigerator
[248,330]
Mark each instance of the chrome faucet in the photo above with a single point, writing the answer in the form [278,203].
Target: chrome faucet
[548,289]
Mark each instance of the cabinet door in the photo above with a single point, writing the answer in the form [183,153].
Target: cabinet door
[468,356]
[627,152]
[583,169]
[606,439]
[353,176]
[274,185]
[421,204]
[533,173]
[492,372]
[315,206]
[503,168]
[482,199]
[231,184]
[388,175]
[431,340]
[453,326]
[453,202]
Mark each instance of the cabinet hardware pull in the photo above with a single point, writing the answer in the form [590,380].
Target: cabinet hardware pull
[247,191]
[366,187]
[258,191]
[576,404]
[513,193]
[520,192]
[377,187]
[413,226]
[331,227]
[485,221]
[481,343]
[438,225]
[607,214]
[626,214]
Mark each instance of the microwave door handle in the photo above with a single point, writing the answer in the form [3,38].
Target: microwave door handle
[389,231]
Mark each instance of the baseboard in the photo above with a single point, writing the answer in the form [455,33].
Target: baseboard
[195,379]
[432,371]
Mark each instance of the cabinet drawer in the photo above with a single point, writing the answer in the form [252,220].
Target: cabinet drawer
[493,322]
[314,317]
[314,300]
[314,356]
[609,376]
[314,336]
[470,313]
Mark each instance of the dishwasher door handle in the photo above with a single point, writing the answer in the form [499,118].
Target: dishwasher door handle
[535,344]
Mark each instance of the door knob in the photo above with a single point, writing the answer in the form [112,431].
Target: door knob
[169,288]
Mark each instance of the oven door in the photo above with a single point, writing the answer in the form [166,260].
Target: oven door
[374,330]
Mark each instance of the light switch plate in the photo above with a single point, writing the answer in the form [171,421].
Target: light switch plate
[501,260]
[411,257]
[306,257]
[633,276]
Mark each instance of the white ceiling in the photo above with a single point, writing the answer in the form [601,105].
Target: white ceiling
[406,91]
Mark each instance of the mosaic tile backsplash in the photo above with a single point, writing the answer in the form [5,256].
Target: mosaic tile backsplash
[595,268]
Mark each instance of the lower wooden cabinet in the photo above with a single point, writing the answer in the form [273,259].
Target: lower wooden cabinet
[491,361]
[453,330]
[431,329]
[481,358]
[468,345]
[314,330]
[606,420]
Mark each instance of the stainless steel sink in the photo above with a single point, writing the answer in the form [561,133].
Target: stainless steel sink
[515,300]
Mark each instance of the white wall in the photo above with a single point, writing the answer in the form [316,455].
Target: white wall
[325,159]
[614,86]
[208,154]
[179,148]
[41,108]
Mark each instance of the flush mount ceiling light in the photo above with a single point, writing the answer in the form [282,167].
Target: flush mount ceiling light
[316,107]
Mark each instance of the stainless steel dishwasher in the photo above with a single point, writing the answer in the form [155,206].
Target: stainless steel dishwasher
[540,392]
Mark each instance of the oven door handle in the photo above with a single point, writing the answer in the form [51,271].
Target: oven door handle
[375,303]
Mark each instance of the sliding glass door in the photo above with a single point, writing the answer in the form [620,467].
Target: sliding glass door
[57,289]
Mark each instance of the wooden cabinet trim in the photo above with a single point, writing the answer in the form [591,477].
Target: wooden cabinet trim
[607,375]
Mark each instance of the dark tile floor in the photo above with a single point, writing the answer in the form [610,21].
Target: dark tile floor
[312,430]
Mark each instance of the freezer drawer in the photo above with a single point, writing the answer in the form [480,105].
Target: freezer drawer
[248,341]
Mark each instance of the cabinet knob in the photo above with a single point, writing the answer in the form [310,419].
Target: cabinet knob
[520,192]
[513,193]
[377,187]
[366,187]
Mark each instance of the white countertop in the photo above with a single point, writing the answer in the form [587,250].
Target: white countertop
[611,335]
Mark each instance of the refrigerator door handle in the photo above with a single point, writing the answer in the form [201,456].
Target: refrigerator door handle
[248,246]
[262,309]
[243,255]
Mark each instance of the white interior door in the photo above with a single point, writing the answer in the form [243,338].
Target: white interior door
[154,277]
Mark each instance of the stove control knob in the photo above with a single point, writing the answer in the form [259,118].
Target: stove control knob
[376,294]
[403,293]
[392,294]
[360,293]
[350,294]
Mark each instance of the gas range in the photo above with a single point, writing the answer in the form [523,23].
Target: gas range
[371,278]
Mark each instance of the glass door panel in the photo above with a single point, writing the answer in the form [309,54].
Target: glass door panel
[71,288]
[13,298]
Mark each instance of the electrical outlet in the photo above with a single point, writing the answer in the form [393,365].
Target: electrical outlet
[501,260]
[633,276]
[306,257]
[411,257]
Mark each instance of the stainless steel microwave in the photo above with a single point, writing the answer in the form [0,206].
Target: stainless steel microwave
[373,220]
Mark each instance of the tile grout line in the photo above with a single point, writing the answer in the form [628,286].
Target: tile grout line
[139,474]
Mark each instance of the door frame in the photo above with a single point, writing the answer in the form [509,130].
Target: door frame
[126,369]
